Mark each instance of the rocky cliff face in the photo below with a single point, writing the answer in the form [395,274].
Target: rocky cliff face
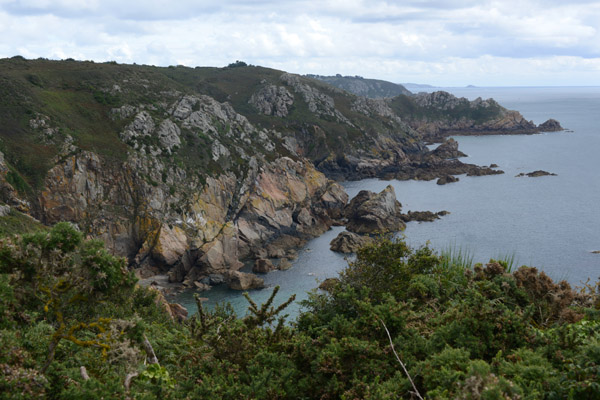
[192,172]
[165,219]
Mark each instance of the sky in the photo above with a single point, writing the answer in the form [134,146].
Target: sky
[443,43]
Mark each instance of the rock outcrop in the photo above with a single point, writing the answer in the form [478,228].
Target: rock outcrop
[349,242]
[369,212]
[272,100]
[317,101]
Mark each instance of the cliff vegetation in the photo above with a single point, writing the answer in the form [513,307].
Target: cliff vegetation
[398,323]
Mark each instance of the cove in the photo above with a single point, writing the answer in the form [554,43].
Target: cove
[549,222]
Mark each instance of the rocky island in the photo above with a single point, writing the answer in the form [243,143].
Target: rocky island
[191,172]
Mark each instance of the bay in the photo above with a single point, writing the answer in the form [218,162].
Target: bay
[551,222]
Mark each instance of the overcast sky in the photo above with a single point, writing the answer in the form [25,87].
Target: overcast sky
[445,43]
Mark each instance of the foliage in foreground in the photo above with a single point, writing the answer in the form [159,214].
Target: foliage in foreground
[461,331]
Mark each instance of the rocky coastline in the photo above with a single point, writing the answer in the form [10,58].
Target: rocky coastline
[192,181]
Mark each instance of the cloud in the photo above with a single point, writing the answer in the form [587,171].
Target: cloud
[420,39]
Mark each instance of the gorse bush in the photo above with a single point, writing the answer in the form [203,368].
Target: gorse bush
[72,304]
[398,323]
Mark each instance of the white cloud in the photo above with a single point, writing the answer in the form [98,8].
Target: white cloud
[442,42]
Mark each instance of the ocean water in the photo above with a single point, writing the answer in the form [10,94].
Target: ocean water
[550,222]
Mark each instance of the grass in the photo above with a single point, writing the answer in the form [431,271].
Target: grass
[18,223]
[508,261]
[456,257]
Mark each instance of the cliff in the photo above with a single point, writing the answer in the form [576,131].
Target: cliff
[192,171]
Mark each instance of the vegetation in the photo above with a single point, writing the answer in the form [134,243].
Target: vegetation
[400,323]
[372,88]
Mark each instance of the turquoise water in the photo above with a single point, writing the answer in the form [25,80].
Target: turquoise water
[551,222]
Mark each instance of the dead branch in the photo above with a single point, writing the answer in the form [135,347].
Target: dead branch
[128,379]
[416,391]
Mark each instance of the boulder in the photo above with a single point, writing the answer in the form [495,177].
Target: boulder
[369,212]
[349,242]
[262,266]
[284,264]
[243,281]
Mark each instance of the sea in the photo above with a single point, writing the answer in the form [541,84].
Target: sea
[549,222]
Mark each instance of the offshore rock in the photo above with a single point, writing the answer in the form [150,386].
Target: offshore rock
[535,174]
[349,242]
[551,125]
[447,179]
[423,216]
[374,213]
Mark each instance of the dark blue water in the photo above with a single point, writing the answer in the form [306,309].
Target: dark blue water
[551,222]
